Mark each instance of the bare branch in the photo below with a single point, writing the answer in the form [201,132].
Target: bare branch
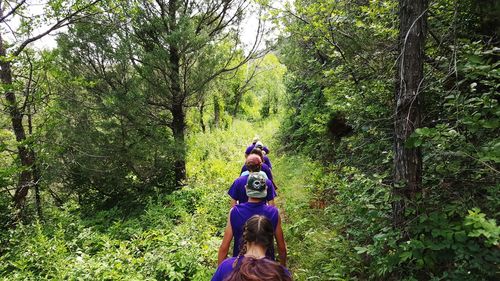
[12,11]
[60,23]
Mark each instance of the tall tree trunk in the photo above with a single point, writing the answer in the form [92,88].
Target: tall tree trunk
[26,157]
[35,171]
[202,111]
[178,129]
[409,81]
[237,99]
[178,115]
[216,112]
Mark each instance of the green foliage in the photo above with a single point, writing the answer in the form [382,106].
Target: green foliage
[174,237]
[100,138]
[339,112]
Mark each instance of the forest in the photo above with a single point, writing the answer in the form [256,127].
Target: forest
[124,123]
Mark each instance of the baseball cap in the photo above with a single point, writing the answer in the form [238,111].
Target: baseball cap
[256,186]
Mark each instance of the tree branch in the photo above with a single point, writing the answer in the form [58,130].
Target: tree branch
[12,11]
[60,23]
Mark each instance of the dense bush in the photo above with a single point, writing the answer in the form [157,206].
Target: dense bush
[340,100]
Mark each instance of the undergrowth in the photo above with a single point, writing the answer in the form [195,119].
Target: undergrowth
[175,237]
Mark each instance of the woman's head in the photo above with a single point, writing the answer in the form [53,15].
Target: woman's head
[253,163]
[258,151]
[258,230]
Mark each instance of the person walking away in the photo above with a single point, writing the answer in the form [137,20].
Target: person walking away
[251,262]
[266,160]
[252,146]
[237,191]
[263,166]
[256,190]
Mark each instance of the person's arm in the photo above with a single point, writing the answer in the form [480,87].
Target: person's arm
[226,241]
[274,184]
[280,240]
[268,172]
[271,191]
[233,194]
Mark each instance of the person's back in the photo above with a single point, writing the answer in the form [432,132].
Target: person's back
[252,263]
[237,190]
[255,143]
[238,194]
[242,212]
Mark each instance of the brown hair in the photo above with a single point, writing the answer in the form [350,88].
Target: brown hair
[258,151]
[258,229]
[256,168]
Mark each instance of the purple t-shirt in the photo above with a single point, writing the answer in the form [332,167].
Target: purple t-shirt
[252,146]
[237,190]
[226,267]
[239,215]
[267,162]
[264,169]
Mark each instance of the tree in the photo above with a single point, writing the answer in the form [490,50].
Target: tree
[181,46]
[101,141]
[407,118]
[16,108]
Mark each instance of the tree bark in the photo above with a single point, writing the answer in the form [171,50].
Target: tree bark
[409,81]
[216,112]
[202,111]
[35,171]
[237,99]
[25,154]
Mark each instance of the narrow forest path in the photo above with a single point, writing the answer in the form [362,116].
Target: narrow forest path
[215,160]
[307,235]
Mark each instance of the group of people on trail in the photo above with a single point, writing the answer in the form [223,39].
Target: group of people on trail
[253,223]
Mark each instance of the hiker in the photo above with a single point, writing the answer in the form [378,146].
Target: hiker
[257,190]
[251,262]
[252,146]
[263,166]
[237,190]
[266,160]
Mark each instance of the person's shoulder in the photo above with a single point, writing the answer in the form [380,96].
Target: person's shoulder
[227,265]
[224,269]
[241,179]
[269,183]
[272,209]
[228,262]
[287,272]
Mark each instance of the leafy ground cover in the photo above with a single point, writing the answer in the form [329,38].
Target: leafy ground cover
[175,237]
